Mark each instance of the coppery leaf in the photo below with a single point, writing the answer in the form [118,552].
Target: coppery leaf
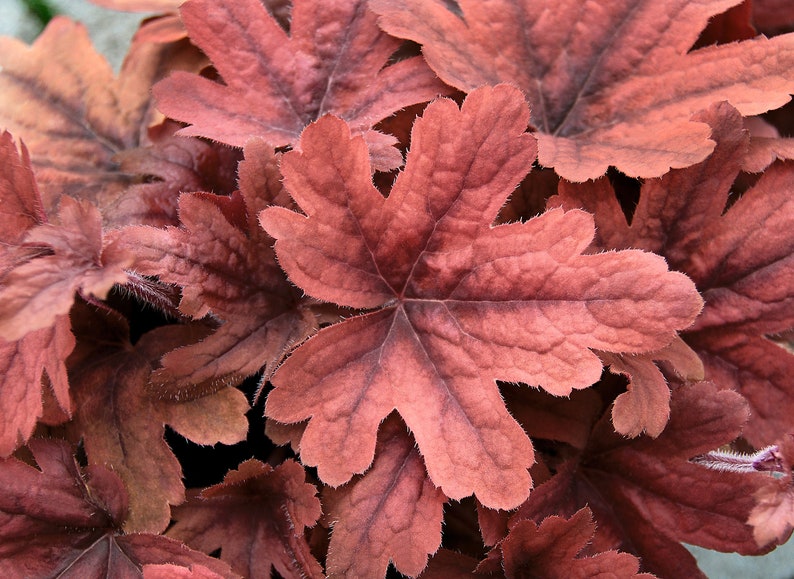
[458,303]
[610,84]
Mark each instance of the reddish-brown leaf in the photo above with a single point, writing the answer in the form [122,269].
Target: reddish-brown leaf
[122,425]
[742,261]
[645,406]
[331,61]
[21,208]
[772,16]
[173,165]
[73,259]
[256,517]
[459,302]
[610,84]
[391,514]
[23,362]
[62,99]
[551,551]
[647,497]
[225,264]
[772,517]
[56,521]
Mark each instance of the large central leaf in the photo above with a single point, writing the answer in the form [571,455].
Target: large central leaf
[459,303]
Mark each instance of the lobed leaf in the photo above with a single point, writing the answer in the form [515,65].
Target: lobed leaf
[647,497]
[33,294]
[56,520]
[740,259]
[225,264]
[645,406]
[80,121]
[391,514]
[332,60]
[459,303]
[610,85]
[256,517]
[551,550]
[122,425]
[24,361]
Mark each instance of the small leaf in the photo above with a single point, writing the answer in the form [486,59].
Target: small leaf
[550,550]
[35,293]
[392,513]
[123,426]
[256,517]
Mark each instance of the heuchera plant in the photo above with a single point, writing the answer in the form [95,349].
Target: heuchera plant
[424,287]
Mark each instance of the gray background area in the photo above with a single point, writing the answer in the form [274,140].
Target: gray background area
[111,33]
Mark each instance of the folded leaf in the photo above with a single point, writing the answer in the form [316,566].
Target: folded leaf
[459,303]
[35,293]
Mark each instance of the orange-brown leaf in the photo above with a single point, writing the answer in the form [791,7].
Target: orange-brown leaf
[256,517]
[61,97]
[391,514]
[551,550]
[458,302]
[275,83]
[123,426]
[225,264]
[23,362]
[610,84]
